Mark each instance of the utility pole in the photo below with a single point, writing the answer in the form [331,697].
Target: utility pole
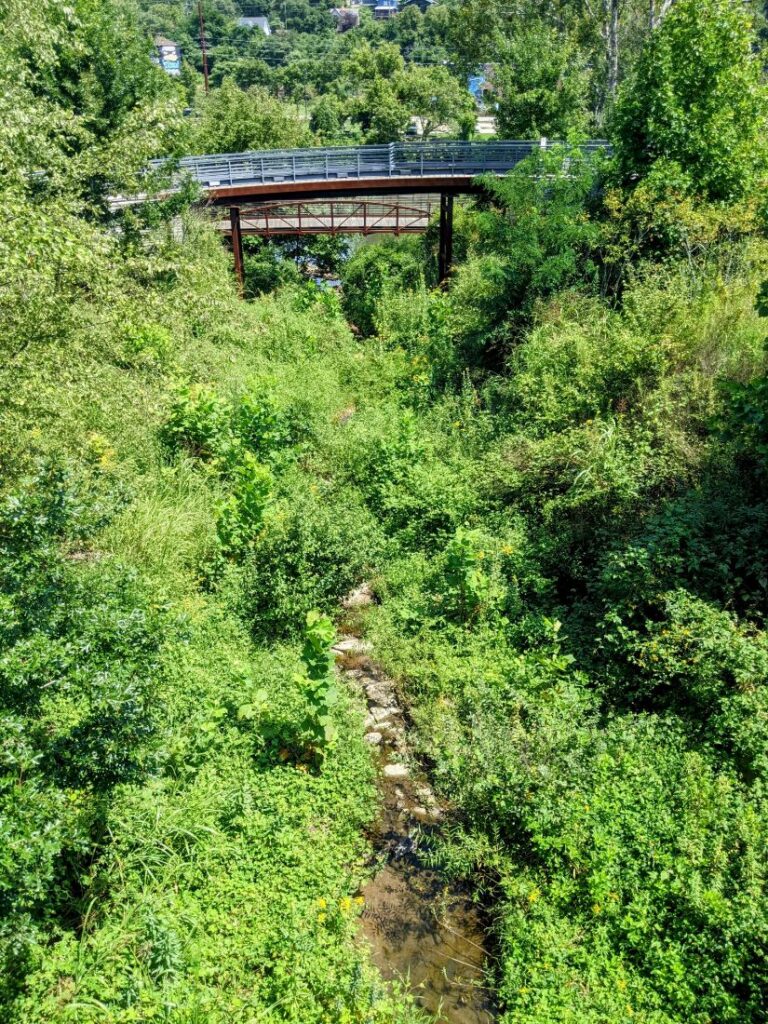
[202,43]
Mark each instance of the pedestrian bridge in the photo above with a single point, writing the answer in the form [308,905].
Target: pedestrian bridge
[258,187]
[398,168]
[397,215]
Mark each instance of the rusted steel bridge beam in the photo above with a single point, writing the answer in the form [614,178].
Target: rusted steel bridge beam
[445,249]
[237,247]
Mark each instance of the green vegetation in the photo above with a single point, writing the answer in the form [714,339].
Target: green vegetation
[551,471]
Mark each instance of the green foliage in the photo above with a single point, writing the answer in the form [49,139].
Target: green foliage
[100,108]
[378,112]
[699,101]
[240,439]
[314,546]
[319,683]
[233,120]
[198,422]
[552,469]
[437,98]
[745,418]
[148,343]
[242,515]
[535,238]
[468,585]
[326,120]
[260,424]
[543,86]
[369,270]
[267,268]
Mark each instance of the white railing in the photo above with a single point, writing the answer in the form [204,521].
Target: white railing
[396,160]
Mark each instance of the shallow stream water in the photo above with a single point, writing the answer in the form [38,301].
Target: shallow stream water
[422,929]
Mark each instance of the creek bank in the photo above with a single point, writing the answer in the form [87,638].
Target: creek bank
[422,928]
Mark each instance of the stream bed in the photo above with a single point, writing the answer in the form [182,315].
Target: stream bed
[422,928]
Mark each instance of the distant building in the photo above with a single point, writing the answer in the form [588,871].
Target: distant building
[167,55]
[423,5]
[259,22]
[477,86]
[385,9]
[346,17]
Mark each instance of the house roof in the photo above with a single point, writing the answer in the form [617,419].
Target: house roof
[258,22]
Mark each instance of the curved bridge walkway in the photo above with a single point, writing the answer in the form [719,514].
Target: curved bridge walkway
[400,168]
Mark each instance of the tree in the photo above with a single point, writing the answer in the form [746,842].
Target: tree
[436,97]
[326,119]
[371,269]
[657,11]
[698,100]
[543,88]
[366,63]
[233,121]
[80,97]
[380,112]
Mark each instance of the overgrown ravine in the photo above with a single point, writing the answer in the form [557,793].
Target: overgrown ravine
[422,928]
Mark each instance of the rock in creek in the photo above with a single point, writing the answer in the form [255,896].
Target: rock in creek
[351,645]
[361,597]
[379,714]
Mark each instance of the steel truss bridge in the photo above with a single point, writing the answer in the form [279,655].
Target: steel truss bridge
[398,215]
[244,182]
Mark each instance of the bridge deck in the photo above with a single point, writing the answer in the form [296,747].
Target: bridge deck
[351,170]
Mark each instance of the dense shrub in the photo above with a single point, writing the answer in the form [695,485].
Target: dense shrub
[316,543]
[370,270]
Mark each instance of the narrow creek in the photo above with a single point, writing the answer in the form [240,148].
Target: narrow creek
[422,928]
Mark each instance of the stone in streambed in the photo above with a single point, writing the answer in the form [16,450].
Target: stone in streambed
[395,771]
[351,645]
[429,815]
[374,738]
[379,714]
[361,597]
[378,692]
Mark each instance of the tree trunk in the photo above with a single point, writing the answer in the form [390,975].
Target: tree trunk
[657,10]
[611,36]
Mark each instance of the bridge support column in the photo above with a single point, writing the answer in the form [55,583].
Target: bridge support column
[237,247]
[445,251]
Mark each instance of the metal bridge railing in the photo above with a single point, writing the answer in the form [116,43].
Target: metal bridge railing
[396,160]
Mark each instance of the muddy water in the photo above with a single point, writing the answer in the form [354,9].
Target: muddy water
[421,928]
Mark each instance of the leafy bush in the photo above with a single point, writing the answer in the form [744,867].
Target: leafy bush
[198,421]
[416,488]
[372,269]
[319,683]
[315,545]
[534,237]
[242,514]
[745,419]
